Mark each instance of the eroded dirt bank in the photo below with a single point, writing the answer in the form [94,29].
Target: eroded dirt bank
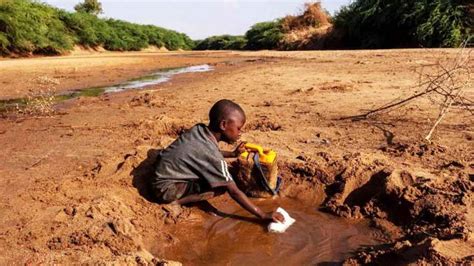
[73,186]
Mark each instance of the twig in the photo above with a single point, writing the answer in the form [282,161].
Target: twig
[36,163]
[441,115]
[364,116]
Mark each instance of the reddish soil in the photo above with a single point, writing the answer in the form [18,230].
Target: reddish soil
[74,183]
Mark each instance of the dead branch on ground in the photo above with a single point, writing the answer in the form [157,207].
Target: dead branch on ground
[444,88]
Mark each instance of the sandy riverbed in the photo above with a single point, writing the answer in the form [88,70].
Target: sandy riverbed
[73,183]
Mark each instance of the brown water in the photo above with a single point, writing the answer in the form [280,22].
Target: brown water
[315,237]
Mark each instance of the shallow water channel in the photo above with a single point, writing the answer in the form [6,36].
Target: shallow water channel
[314,238]
[160,76]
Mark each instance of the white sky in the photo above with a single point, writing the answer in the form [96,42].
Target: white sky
[200,19]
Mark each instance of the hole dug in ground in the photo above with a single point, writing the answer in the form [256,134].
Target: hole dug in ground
[423,217]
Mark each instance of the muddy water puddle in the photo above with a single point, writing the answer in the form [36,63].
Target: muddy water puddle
[314,238]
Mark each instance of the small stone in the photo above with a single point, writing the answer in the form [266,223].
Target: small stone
[302,158]
[90,213]
[140,261]
[169,220]
[71,211]
[325,142]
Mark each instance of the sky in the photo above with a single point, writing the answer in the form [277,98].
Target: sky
[201,19]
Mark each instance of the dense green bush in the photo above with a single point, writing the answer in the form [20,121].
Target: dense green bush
[264,35]
[395,23]
[125,36]
[117,35]
[367,24]
[32,27]
[174,40]
[222,42]
[156,35]
[88,30]
[4,43]
[27,27]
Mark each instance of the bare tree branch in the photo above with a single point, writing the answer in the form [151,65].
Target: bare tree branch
[445,88]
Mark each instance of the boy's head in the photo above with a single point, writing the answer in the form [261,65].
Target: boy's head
[227,118]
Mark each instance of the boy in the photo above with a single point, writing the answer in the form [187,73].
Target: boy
[193,168]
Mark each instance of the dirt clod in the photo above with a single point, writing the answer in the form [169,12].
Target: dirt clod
[264,124]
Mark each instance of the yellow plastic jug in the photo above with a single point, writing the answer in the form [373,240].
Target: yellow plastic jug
[267,156]
[267,166]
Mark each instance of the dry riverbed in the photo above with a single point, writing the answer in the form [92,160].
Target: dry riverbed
[74,182]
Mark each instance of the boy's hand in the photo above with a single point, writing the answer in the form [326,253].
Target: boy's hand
[244,201]
[275,217]
[239,149]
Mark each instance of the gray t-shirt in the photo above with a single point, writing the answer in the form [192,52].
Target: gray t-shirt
[194,155]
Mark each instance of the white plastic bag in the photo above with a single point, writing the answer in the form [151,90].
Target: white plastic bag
[278,227]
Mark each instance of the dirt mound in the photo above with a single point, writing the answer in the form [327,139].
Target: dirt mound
[105,228]
[421,203]
[430,251]
[101,223]
[112,227]
[115,223]
[356,183]
[428,216]
[407,204]
[304,178]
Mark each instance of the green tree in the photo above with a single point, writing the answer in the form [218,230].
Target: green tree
[93,7]
[32,27]
[222,42]
[264,35]
[29,27]
[404,23]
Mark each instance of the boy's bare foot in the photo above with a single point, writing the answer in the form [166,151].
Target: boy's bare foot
[173,209]
[196,198]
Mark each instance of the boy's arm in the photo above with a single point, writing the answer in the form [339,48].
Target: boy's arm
[236,152]
[244,201]
[228,154]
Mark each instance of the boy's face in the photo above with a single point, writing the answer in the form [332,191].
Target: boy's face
[232,127]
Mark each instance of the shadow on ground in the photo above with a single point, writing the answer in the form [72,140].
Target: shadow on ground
[143,175]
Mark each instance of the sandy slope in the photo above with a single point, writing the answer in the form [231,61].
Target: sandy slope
[73,183]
